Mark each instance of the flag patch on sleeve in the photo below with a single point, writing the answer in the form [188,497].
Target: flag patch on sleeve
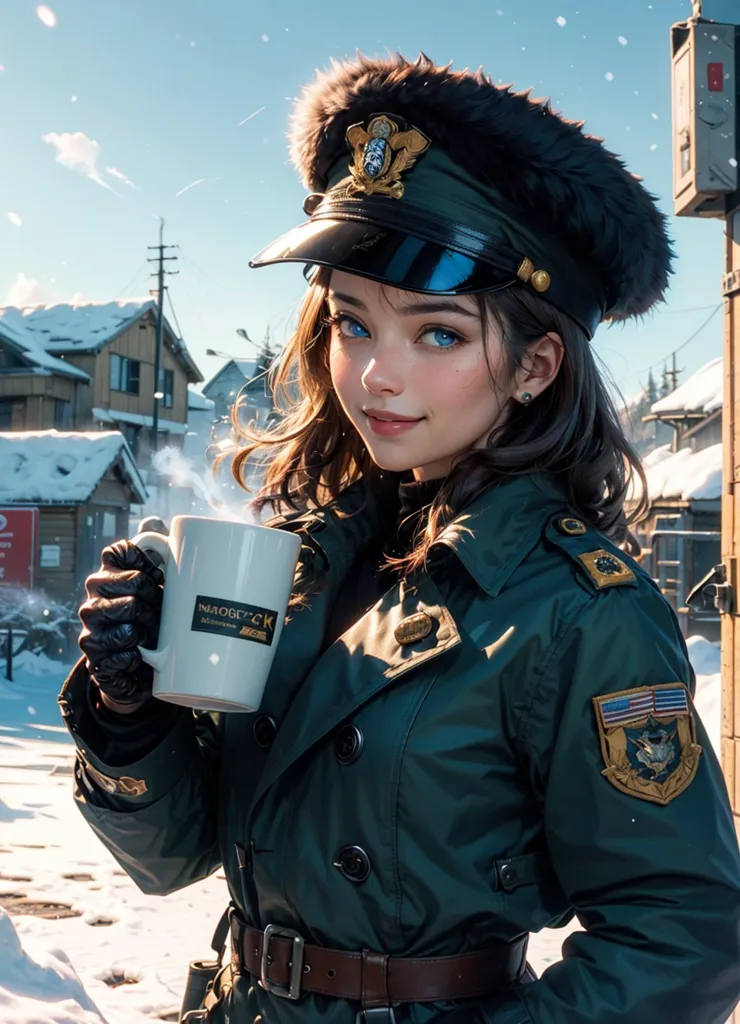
[648,741]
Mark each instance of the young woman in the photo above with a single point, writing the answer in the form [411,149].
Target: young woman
[479,722]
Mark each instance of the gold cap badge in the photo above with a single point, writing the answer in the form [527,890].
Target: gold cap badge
[382,152]
[414,628]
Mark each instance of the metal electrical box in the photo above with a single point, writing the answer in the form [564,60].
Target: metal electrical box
[704,81]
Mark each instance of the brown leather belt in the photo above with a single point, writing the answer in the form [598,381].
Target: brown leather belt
[288,967]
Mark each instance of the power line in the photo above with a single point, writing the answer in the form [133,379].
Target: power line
[174,314]
[680,348]
[122,292]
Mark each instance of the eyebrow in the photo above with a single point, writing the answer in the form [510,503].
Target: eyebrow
[414,309]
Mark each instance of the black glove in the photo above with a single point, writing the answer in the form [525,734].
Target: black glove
[123,610]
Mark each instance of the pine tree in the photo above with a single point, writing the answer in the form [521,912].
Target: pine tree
[651,391]
[267,354]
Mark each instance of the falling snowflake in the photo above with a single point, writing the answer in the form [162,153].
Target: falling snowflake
[31,711]
[265,38]
[733,162]
[654,117]
[622,40]
[609,76]
[561,21]
[73,99]
[214,659]
[653,147]
[499,13]
[15,219]
[46,16]
[192,42]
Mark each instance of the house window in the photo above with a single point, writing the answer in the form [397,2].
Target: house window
[6,414]
[131,433]
[124,374]
[167,388]
[10,361]
[62,414]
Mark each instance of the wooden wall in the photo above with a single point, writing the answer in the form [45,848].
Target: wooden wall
[137,342]
[35,394]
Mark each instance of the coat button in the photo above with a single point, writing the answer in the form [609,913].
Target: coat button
[348,744]
[508,875]
[264,730]
[354,864]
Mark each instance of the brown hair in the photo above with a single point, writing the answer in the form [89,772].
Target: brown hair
[572,430]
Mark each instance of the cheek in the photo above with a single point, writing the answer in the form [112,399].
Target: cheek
[461,380]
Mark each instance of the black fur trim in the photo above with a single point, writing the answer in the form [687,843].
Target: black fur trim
[559,177]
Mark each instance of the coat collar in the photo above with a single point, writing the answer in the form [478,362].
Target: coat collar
[498,529]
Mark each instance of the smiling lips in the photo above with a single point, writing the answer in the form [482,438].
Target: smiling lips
[389,424]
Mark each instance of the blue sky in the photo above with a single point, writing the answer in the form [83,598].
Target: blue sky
[162,94]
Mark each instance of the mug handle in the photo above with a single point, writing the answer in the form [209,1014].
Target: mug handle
[154,543]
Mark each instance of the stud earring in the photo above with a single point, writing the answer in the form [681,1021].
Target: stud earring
[526,397]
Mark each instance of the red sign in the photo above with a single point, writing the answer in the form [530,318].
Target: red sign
[19,531]
[716,76]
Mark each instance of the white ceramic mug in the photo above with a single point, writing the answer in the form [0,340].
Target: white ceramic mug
[226,591]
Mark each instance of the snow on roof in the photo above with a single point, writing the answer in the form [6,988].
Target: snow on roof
[138,419]
[246,367]
[61,467]
[87,326]
[22,341]
[684,475]
[700,393]
[196,400]
[84,327]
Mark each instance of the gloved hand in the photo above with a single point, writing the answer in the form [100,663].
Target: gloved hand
[123,610]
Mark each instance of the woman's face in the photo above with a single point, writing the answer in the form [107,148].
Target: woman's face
[414,373]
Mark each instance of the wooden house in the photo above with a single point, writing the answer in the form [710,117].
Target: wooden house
[681,536]
[90,366]
[82,485]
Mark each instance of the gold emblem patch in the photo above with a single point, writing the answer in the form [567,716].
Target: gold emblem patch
[605,569]
[382,152]
[414,628]
[648,741]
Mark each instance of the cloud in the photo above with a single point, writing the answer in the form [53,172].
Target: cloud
[115,173]
[188,187]
[25,291]
[46,16]
[78,153]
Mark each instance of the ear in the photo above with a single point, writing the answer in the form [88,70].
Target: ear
[540,365]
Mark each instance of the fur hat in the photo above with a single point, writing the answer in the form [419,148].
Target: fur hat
[574,200]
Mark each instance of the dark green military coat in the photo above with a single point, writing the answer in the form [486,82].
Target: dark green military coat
[493,793]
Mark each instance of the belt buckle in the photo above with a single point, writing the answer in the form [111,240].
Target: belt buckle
[376,1015]
[293,991]
[195,1017]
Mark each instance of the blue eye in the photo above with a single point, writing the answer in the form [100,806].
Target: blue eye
[442,337]
[349,327]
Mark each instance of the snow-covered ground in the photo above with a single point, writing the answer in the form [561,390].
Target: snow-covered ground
[123,958]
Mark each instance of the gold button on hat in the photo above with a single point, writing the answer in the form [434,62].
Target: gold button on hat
[573,527]
[414,628]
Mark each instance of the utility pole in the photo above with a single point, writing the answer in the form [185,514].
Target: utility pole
[672,375]
[160,259]
[706,94]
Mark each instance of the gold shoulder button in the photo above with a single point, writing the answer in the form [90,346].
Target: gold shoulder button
[605,569]
[414,628]
[572,527]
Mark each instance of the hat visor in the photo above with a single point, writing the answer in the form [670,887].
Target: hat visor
[384,254]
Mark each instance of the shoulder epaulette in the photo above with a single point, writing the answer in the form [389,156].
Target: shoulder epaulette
[599,566]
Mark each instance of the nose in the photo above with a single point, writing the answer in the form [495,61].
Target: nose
[382,374]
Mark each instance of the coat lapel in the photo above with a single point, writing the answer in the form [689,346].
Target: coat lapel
[359,665]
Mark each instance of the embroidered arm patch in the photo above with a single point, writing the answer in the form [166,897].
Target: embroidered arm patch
[648,741]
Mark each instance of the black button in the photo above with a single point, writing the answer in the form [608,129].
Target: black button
[354,864]
[264,730]
[348,744]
